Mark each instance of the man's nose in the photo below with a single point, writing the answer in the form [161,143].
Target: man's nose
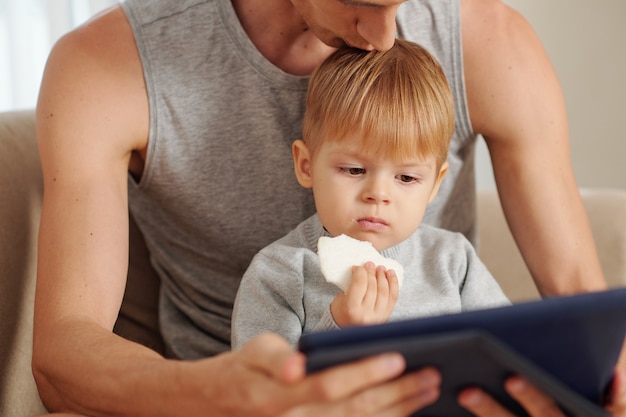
[377,26]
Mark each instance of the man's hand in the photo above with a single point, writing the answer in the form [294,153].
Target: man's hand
[370,299]
[267,378]
[617,396]
[535,402]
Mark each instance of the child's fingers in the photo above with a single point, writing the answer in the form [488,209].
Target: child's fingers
[382,290]
[369,299]
[394,289]
[394,284]
[358,286]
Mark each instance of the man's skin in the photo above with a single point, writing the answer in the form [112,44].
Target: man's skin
[92,123]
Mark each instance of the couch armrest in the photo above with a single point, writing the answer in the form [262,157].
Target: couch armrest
[606,209]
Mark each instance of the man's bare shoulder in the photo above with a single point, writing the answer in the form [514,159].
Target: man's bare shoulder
[106,41]
[493,21]
[94,77]
[505,67]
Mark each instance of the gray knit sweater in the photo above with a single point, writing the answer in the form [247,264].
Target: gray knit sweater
[283,290]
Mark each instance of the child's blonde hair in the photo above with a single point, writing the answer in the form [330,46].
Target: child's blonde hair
[398,102]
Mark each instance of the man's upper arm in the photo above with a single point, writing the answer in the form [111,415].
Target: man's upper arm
[91,116]
[510,80]
[516,103]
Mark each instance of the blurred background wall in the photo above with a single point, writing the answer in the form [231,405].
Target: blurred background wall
[28,29]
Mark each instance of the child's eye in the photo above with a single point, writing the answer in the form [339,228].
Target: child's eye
[407,179]
[353,170]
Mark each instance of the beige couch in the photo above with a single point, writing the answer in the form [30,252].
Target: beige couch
[20,202]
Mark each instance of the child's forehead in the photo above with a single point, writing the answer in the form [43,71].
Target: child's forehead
[351,143]
[355,146]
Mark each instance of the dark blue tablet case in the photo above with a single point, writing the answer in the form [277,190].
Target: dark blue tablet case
[567,346]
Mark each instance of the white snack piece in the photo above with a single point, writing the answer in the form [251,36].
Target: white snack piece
[339,254]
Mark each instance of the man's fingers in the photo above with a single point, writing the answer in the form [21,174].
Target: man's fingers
[404,396]
[480,404]
[536,403]
[401,397]
[346,380]
[616,402]
[272,355]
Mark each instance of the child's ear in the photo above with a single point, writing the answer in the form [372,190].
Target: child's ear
[302,163]
[442,173]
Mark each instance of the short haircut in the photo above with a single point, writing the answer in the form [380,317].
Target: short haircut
[398,102]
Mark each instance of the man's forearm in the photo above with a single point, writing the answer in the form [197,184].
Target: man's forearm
[92,371]
[551,228]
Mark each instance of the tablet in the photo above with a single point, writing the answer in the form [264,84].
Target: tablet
[567,346]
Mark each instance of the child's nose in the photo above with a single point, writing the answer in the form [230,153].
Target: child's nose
[376,191]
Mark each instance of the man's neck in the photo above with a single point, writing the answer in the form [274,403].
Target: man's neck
[281,35]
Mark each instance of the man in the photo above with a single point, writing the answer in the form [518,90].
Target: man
[194,100]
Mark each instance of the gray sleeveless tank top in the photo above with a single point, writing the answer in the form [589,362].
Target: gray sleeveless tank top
[218,183]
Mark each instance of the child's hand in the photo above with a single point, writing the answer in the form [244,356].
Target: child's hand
[370,298]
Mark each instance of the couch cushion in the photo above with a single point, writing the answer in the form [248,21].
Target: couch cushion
[20,207]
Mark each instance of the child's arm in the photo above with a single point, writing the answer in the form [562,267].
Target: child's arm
[269,299]
[371,296]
